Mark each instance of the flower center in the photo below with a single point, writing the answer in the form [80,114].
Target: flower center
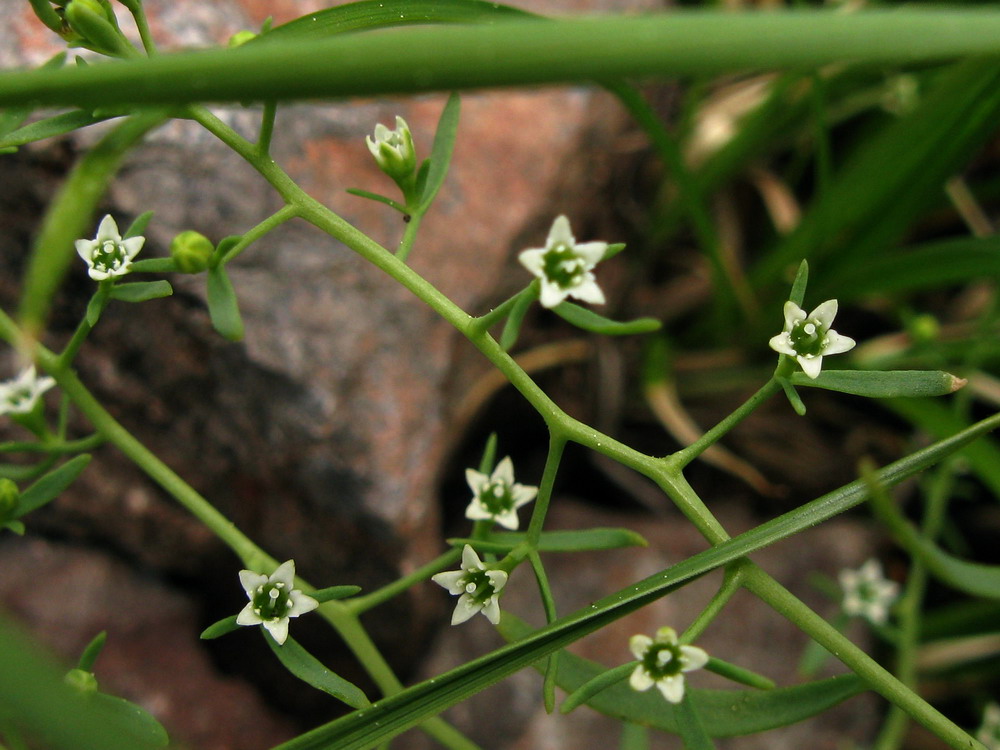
[20,397]
[478,585]
[496,497]
[807,338]
[270,601]
[108,256]
[662,660]
[564,267]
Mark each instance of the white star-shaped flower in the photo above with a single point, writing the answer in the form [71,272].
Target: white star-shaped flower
[989,731]
[867,592]
[19,396]
[479,588]
[497,497]
[663,662]
[809,338]
[273,600]
[564,266]
[108,255]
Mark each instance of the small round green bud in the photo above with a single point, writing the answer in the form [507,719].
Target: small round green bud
[97,27]
[191,251]
[241,37]
[9,498]
[925,328]
[81,680]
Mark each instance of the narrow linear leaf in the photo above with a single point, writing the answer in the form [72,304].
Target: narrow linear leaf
[334,592]
[596,685]
[50,486]
[588,320]
[141,291]
[612,250]
[798,293]
[397,713]
[739,674]
[380,198]
[92,651]
[136,720]
[223,307]
[308,668]
[444,144]
[50,127]
[793,396]
[220,628]
[139,224]
[512,328]
[883,384]
[580,540]
[154,265]
[976,579]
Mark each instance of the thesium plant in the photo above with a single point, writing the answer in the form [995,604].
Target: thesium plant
[239,322]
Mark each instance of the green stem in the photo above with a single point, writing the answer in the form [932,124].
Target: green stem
[266,129]
[70,446]
[731,583]
[99,301]
[683,457]
[253,234]
[556,445]
[484,322]
[409,235]
[549,605]
[360,604]
[878,678]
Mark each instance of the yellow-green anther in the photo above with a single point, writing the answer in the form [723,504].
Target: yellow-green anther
[191,251]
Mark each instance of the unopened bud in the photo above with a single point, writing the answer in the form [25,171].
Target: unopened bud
[81,680]
[191,251]
[241,37]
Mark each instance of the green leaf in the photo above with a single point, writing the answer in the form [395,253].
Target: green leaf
[141,291]
[226,244]
[489,458]
[220,628]
[613,250]
[739,674]
[792,395]
[222,305]
[588,320]
[975,579]
[380,198]
[50,127]
[444,144]
[371,14]
[883,384]
[397,713]
[16,527]
[95,306]
[92,651]
[595,685]
[138,225]
[558,541]
[308,668]
[334,592]
[50,486]
[154,265]
[690,725]
[798,293]
[512,328]
[135,720]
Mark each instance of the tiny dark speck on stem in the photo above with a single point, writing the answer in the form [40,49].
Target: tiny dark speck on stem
[407,218]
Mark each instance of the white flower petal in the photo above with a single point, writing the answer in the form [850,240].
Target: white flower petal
[132,246]
[492,610]
[250,581]
[85,249]
[475,480]
[107,231]
[504,472]
[498,578]
[301,603]
[666,635]
[470,560]
[476,511]
[591,252]
[522,494]
[278,628]
[672,688]
[284,573]
[693,658]
[811,366]
[560,233]
[452,580]
[824,314]
[588,291]
[639,644]
[534,260]
[640,679]
[782,344]
[465,609]
[793,314]
[508,519]
[834,343]
[247,616]
[552,294]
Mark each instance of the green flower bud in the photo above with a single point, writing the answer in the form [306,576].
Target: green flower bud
[81,680]
[925,328]
[191,251]
[241,37]
[393,151]
[95,23]
[9,498]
